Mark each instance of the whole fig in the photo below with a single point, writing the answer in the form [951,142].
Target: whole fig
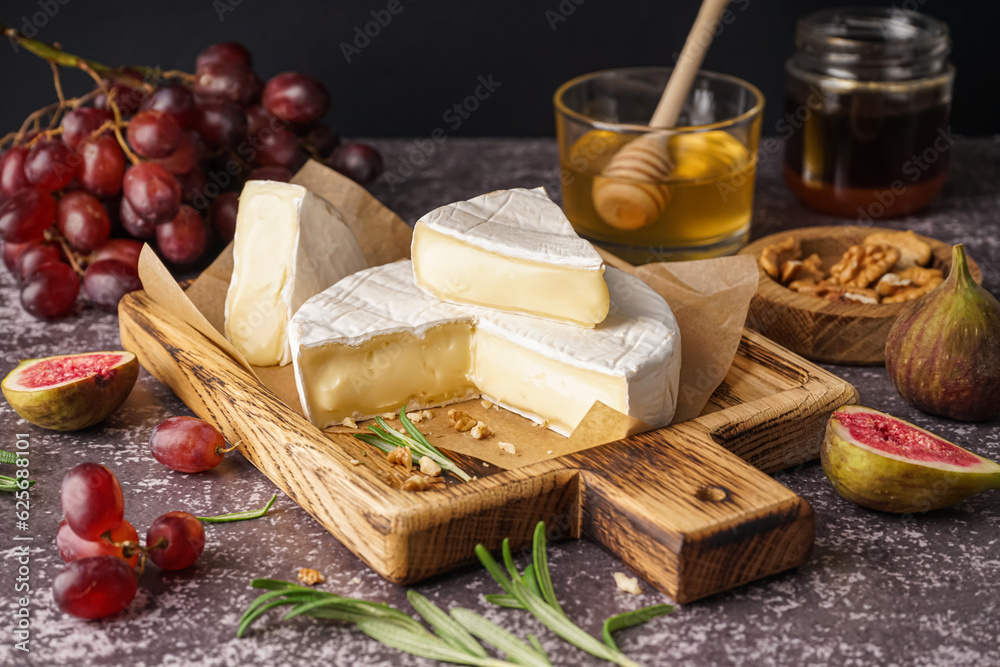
[943,353]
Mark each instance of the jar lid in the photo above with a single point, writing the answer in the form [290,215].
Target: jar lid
[872,43]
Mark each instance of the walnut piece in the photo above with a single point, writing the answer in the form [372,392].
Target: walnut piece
[891,283]
[833,292]
[419,416]
[309,576]
[627,583]
[507,448]
[415,483]
[774,256]
[461,421]
[486,404]
[912,251]
[862,265]
[349,423]
[923,277]
[402,456]
[429,467]
[480,431]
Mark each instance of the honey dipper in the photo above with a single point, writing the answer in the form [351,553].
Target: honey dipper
[629,194]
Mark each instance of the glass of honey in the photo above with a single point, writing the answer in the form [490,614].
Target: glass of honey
[866,113]
[699,204]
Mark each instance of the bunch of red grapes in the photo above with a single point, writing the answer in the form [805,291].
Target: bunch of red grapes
[102,549]
[155,163]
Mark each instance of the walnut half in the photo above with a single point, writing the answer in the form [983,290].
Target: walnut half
[862,265]
[774,256]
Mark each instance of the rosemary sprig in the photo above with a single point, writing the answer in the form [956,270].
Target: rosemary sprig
[387,439]
[457,635]
[240,516]
[11,484]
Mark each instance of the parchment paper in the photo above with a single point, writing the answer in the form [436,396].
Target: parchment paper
[709,299]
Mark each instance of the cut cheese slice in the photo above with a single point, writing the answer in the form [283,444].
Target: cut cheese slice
[375,341]
[290,245]
[513,250]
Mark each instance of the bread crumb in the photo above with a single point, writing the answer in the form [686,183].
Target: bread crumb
[310,577]
[429,466]
[480,431]
[507,447]
[349,423]
[486,404]
[627,583]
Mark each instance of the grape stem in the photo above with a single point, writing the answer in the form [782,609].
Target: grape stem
[71,255]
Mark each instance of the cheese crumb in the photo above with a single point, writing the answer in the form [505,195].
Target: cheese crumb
[355,462]
[480,431]
[355,580]
[388,415]
[349,423]
[486,404]
[627,583]
[460,420]
[310,577]
[549,452]
[507,447]
[429,467]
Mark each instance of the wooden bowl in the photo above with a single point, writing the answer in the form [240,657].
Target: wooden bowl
[830,331]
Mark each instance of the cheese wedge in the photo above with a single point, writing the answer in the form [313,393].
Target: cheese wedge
[290,245]
[513,250]
[375,341]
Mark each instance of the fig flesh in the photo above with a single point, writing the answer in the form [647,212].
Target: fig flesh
[71,392]
[884,463]
[943,353]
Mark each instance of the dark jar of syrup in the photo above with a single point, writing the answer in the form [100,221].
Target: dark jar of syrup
[866,125]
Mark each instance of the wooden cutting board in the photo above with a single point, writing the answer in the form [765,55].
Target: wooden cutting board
[689,507]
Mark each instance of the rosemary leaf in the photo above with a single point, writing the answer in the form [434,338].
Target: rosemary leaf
[446,627]
[240,516]
[541,562]
[631,618]
[508,561]
[278,584]
[533,640]
[530,580]
[491,566]
[424,645]
[374,440]
[9,457]
[501,600]
[513,648]
[252,615]
[387,439]
[11,484]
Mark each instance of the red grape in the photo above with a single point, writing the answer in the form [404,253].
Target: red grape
[357,161]
[50,164]
[133,224]
[35,256]
[224,211]
[82,221]
[12,253]
[296,97]
[175,540]
[183,239]
[226,53]
[221,123]
[185,157]
[79,124]
[279,148]
[322,139]
[92,500]
[25,214]
[186,444]
[123,250]
[127,98]
[12,176]
[102,166]
[259,118]
[219,81]
[50,292]
[152,192]
[282,174]
[192,185]
[107,281]
[73,547]
[154,134]
[175,100]
[95,587]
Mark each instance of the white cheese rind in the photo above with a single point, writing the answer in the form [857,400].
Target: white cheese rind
[638,346]
[290,244]
[513,250]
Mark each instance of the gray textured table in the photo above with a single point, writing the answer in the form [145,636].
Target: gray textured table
[878,589]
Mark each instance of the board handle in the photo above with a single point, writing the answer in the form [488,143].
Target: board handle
[689,517]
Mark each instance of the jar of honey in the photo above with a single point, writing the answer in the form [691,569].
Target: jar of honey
[866,120]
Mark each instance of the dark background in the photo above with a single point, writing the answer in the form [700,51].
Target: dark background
[430,55]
